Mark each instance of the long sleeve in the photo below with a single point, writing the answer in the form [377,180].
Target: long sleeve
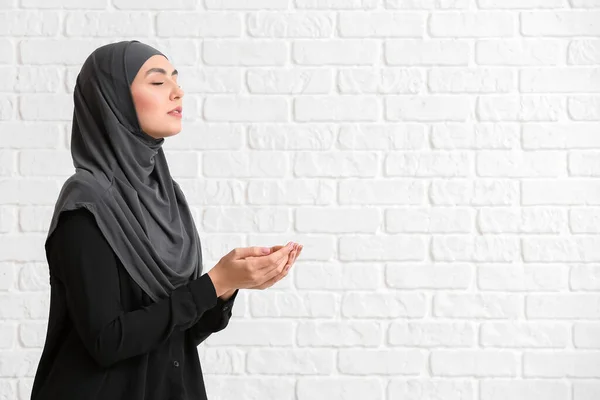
[214,320]
[87,268]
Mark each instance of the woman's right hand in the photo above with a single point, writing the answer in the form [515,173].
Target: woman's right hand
[247,267]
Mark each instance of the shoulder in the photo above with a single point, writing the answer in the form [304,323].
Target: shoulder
[78,245]
[79,217]
[78,236]
[75,226]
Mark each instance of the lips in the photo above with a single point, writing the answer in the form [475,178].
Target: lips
[175,111]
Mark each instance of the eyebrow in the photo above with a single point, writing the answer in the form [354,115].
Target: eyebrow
[162,71]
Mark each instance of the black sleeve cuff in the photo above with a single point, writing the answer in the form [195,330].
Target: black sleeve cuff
[226,305]
[204,293]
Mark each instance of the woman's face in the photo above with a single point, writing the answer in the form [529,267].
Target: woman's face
[155,93]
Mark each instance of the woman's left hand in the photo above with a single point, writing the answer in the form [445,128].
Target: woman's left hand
[291,259]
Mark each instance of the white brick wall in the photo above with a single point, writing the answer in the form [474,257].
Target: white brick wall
[438,159]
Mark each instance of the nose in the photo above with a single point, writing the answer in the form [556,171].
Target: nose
[177,92]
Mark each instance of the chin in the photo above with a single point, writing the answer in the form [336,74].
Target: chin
[170,131]
[164,134]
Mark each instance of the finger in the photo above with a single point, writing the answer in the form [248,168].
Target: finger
[263,285]
[294,254]
[278,276]
[291,261]
[274,279]
[280,268]
[298,255]
[277,257]
[287,267]
[292,258]
[271,249]
[270,282]
[254,251]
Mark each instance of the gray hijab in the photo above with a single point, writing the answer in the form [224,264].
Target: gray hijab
[122,177]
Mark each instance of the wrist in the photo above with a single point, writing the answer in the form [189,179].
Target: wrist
[227,295]
[217,282]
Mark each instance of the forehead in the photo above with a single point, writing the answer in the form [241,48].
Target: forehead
[153,65]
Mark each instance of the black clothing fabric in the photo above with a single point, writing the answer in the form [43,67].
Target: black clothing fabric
[107,339]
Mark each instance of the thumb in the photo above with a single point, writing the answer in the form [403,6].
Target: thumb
[255,251]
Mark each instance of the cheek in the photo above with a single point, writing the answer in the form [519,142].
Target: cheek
[148,106]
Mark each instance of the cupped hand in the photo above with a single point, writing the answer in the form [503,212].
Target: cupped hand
[246,267]
[293,255]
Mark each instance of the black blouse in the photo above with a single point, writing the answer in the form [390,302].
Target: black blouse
[106,338]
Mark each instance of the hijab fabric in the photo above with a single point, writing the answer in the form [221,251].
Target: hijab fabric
[122,177]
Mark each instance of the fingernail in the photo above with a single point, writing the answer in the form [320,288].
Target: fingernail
[290,245]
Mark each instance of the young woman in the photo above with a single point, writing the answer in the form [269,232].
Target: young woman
[129,303]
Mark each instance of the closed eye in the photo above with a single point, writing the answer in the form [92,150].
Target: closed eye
[159,83]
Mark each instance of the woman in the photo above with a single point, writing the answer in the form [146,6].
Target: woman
[129,303]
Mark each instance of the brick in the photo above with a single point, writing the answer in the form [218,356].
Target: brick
[519,52]
[560,23]
[295,24]
[336,164]
[478,363]
[427,52]
[473,24]
[381,24]
[204,24]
